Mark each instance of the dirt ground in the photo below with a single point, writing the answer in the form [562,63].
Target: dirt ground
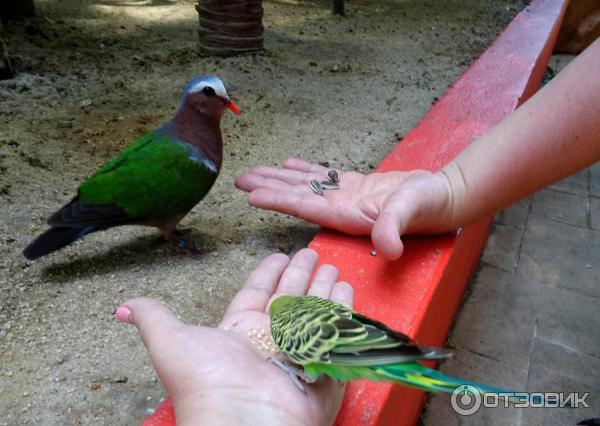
[96,74]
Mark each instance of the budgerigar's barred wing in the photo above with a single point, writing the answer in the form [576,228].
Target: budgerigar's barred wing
[315,330]
[310,328]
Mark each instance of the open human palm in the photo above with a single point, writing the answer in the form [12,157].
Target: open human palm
[383,205]
[220,375]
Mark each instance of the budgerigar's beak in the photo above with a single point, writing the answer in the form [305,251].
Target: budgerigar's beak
[232,106]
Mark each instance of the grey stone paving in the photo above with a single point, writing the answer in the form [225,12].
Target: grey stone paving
[531,319]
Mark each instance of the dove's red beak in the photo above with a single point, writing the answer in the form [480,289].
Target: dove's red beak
[232,106]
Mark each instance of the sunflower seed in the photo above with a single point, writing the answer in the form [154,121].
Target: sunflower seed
[316,187]
[327,184]
[333,175]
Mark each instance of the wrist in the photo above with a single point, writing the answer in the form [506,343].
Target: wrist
[453,181]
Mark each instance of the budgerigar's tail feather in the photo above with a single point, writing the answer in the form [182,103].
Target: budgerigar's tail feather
[433,381]
[54,239]
[411,374]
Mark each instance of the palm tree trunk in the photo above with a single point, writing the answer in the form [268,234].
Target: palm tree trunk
[6,69]
[338,7]
[230,27]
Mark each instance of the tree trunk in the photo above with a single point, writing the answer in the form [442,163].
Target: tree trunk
[6,68]
[11,8]
[230,27]
[338,7]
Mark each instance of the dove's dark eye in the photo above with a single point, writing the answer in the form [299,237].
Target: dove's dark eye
[208,91]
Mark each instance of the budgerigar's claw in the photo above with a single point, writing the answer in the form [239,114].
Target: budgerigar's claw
[295,374]
[295,380]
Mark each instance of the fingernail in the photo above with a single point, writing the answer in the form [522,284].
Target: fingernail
[123,314]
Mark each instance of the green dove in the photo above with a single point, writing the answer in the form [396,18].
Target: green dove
[156,181]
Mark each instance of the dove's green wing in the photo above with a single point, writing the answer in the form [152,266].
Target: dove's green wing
[157,177]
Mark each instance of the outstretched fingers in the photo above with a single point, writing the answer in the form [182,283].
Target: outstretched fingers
[282,176]
[252,182]
[293,172]
[326,286]
[323,282]
[342,292]
[311,207]
[296,278]
[260,285]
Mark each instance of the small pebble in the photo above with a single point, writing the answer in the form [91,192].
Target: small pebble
[95,386]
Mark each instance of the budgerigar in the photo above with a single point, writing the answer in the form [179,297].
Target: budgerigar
[327,338]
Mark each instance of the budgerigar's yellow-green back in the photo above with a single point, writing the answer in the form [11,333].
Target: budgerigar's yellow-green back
[327,338]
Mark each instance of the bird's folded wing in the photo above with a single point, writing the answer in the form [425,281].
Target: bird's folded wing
[155,178]
[78,214]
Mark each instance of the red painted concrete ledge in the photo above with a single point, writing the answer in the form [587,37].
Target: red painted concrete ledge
[420,294]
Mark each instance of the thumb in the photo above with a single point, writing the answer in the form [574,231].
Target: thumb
[393,220]
[154,320]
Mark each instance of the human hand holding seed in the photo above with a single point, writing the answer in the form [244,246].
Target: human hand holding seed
[384,205]
[551,136]
[221,375]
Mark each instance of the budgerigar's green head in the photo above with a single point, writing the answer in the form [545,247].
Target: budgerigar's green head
[280,304]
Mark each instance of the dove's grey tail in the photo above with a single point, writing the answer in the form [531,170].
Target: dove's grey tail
[54,239]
